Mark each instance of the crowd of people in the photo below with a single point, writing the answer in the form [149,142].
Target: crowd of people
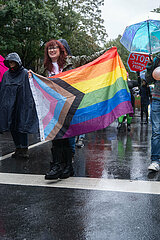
[18,112]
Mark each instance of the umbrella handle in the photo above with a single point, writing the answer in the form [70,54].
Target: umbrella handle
[149,38]
[151,60]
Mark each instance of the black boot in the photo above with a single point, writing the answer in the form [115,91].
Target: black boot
[55,172]
[15,154]
[68,170]
[21,153]
[55,166]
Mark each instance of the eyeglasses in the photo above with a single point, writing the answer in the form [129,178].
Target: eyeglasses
[53,48]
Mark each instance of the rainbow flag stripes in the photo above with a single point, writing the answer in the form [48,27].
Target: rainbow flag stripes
[82,100]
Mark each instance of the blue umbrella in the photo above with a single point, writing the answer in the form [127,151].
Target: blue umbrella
[156,34]
[140,37]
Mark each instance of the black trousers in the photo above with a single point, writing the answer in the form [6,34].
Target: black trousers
[144,110]
[61,152]
[20,139]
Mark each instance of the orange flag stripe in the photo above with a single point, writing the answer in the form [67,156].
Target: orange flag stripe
[93,71]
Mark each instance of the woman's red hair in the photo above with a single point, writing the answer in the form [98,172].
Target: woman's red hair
[62,58]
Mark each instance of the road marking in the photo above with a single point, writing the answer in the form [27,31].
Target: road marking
[40,143]
[145,187]
[31,146]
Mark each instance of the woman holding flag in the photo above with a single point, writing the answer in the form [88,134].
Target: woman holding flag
[58,59]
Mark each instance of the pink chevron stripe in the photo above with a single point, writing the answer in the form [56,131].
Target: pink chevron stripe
[99,122]
[52,105]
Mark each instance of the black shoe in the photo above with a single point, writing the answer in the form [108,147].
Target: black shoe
[80,143]
[51,165]
[21,153]
[119,126]
[54,173]
[67,172]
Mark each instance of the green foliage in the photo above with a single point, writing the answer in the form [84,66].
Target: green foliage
[27,25]
[80,23]
[156,10]
[82,44]
[83,15]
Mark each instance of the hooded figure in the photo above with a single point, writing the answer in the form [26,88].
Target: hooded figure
[17,107]
[12,57]
[65,44]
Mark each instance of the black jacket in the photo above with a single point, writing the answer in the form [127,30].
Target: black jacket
[145,94]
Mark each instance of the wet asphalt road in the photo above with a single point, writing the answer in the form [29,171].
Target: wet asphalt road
[44,212]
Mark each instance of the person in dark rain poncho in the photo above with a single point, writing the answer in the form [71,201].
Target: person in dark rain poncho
[17,108]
